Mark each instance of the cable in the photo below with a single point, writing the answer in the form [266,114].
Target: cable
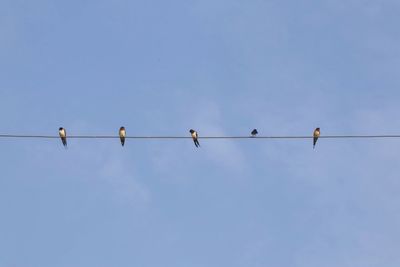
[200,137]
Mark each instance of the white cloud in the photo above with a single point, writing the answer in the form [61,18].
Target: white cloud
[120,174]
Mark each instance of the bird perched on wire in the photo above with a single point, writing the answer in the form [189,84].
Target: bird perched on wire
[122,135]
[195,137]
[254,133]
[317,133]
[63,135]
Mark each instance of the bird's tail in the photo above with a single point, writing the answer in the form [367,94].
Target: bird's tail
[64,141]
[123,141]
[196,143]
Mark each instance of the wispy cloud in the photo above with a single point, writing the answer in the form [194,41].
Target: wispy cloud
[95,162]
[177,159]
[121,175]
[209,121]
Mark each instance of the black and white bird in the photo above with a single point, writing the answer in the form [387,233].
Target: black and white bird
[254,133]
[195,137]
[122,135]
[63,135]
[316,134]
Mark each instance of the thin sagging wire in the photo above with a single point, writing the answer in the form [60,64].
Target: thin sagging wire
[24,136]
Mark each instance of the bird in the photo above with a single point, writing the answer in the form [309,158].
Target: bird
[195,137]
[63,135]
[254,133]
[317,133]
[122,135]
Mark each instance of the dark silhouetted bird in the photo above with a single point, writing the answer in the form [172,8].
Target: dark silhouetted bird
[254,133]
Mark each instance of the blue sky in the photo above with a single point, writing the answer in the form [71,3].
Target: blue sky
[221,67]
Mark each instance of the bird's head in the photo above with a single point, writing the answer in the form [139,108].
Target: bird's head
[191,131]
[61,129]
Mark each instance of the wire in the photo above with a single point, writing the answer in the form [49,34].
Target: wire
[200,137]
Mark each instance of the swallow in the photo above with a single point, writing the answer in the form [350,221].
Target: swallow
[122,135]
[254,133]
[63,136]
[195,137]
[316,134]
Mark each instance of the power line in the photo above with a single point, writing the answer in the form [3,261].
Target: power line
[25,136]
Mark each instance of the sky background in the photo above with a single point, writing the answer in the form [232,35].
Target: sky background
[222,67]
